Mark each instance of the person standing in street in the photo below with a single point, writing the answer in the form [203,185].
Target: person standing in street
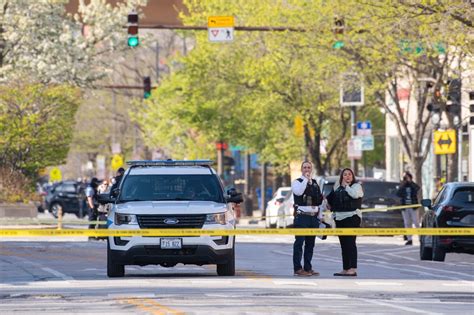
[92,201]
[117,179]
[408,192]
[307,199]
[345,201]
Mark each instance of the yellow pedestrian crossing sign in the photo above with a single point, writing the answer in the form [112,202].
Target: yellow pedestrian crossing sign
[55,175]
[117,162]
[445,142]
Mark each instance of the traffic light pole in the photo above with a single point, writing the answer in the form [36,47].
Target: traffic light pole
[353,133]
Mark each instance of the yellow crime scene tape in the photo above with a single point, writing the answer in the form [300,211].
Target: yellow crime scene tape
[362,210]
[199,232]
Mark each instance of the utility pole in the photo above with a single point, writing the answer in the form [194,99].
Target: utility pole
[353,133]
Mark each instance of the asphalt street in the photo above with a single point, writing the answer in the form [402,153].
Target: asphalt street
[60,275]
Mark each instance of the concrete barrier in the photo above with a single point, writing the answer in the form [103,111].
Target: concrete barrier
[18,210]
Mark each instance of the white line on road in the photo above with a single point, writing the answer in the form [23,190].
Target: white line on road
[57,273]
[403,308]
[378,283]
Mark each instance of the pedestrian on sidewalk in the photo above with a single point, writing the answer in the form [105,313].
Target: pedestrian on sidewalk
[408,193]
[307,199]
[345,201]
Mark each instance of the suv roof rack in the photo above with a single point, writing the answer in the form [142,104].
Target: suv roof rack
[170,162]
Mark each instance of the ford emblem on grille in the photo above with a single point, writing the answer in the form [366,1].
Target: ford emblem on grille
[171,221]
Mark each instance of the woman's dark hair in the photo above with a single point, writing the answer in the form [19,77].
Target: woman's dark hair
[407,175]
[353,176]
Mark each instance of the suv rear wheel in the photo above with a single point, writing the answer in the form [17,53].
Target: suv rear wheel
[55,209]
[426,253]
[439,254]
[113,270]
[228,269]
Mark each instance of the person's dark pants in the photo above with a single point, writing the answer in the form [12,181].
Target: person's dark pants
[348,243]
[304,221]
[93,214]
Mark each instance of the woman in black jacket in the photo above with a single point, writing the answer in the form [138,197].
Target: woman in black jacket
[345,201]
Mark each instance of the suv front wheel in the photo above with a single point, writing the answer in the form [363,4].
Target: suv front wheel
[113,270]
[227,269]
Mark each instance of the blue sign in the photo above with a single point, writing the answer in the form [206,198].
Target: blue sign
[364,125]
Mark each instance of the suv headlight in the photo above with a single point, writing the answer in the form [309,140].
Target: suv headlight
[216,218]
[125,219]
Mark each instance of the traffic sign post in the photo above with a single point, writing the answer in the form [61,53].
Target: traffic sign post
[220,28]
[117,162]
[444,142]
[55,175]
[354,149]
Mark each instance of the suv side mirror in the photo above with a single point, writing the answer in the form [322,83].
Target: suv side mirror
[105,198]
[114,193]
[234,196]
[426,203]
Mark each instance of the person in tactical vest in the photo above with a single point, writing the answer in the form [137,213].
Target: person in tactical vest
[307,199]
[345,201]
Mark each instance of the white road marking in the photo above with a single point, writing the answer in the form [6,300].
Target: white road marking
[378,283]
[57,273]
[460,283]
[396,306]
[280,282]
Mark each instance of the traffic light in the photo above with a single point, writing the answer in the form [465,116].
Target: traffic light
[453,104]
[146,87]
[133,29]
[338,30]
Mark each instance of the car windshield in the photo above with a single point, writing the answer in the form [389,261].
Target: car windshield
[284,192]
[380,189]
[464,195]
[171,187]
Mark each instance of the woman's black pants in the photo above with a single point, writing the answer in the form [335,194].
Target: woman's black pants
[348,243]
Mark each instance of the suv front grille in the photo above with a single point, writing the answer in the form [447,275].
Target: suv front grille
[183,221]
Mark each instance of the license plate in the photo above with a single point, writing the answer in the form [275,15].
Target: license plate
[171,243]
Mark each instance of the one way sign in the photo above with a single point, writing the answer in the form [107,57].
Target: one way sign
[445,142]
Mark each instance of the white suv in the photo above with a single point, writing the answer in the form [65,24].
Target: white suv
[171,194]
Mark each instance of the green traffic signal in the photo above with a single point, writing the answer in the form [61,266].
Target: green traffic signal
[338,44]
[146,95]
[133,41]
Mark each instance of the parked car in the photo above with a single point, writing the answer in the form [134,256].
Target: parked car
[452,208]
[377,194]
[171,194]
[271,212]
[380,194]
[285,213]
[65,195]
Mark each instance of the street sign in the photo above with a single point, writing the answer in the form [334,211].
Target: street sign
[364,128]
[367,142]
[220,34]
[117,162]
[445,142]
[351,90]
[354,147]
[55,175]
[220,21]
[220,28]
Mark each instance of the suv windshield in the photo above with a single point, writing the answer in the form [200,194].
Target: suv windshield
[171,187]
[380,189]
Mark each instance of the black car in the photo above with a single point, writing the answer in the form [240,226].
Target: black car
[380,194]
[453,207]
[377,194]
[68,196]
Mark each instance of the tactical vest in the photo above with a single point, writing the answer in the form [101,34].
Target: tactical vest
[342,202]
[311,197]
